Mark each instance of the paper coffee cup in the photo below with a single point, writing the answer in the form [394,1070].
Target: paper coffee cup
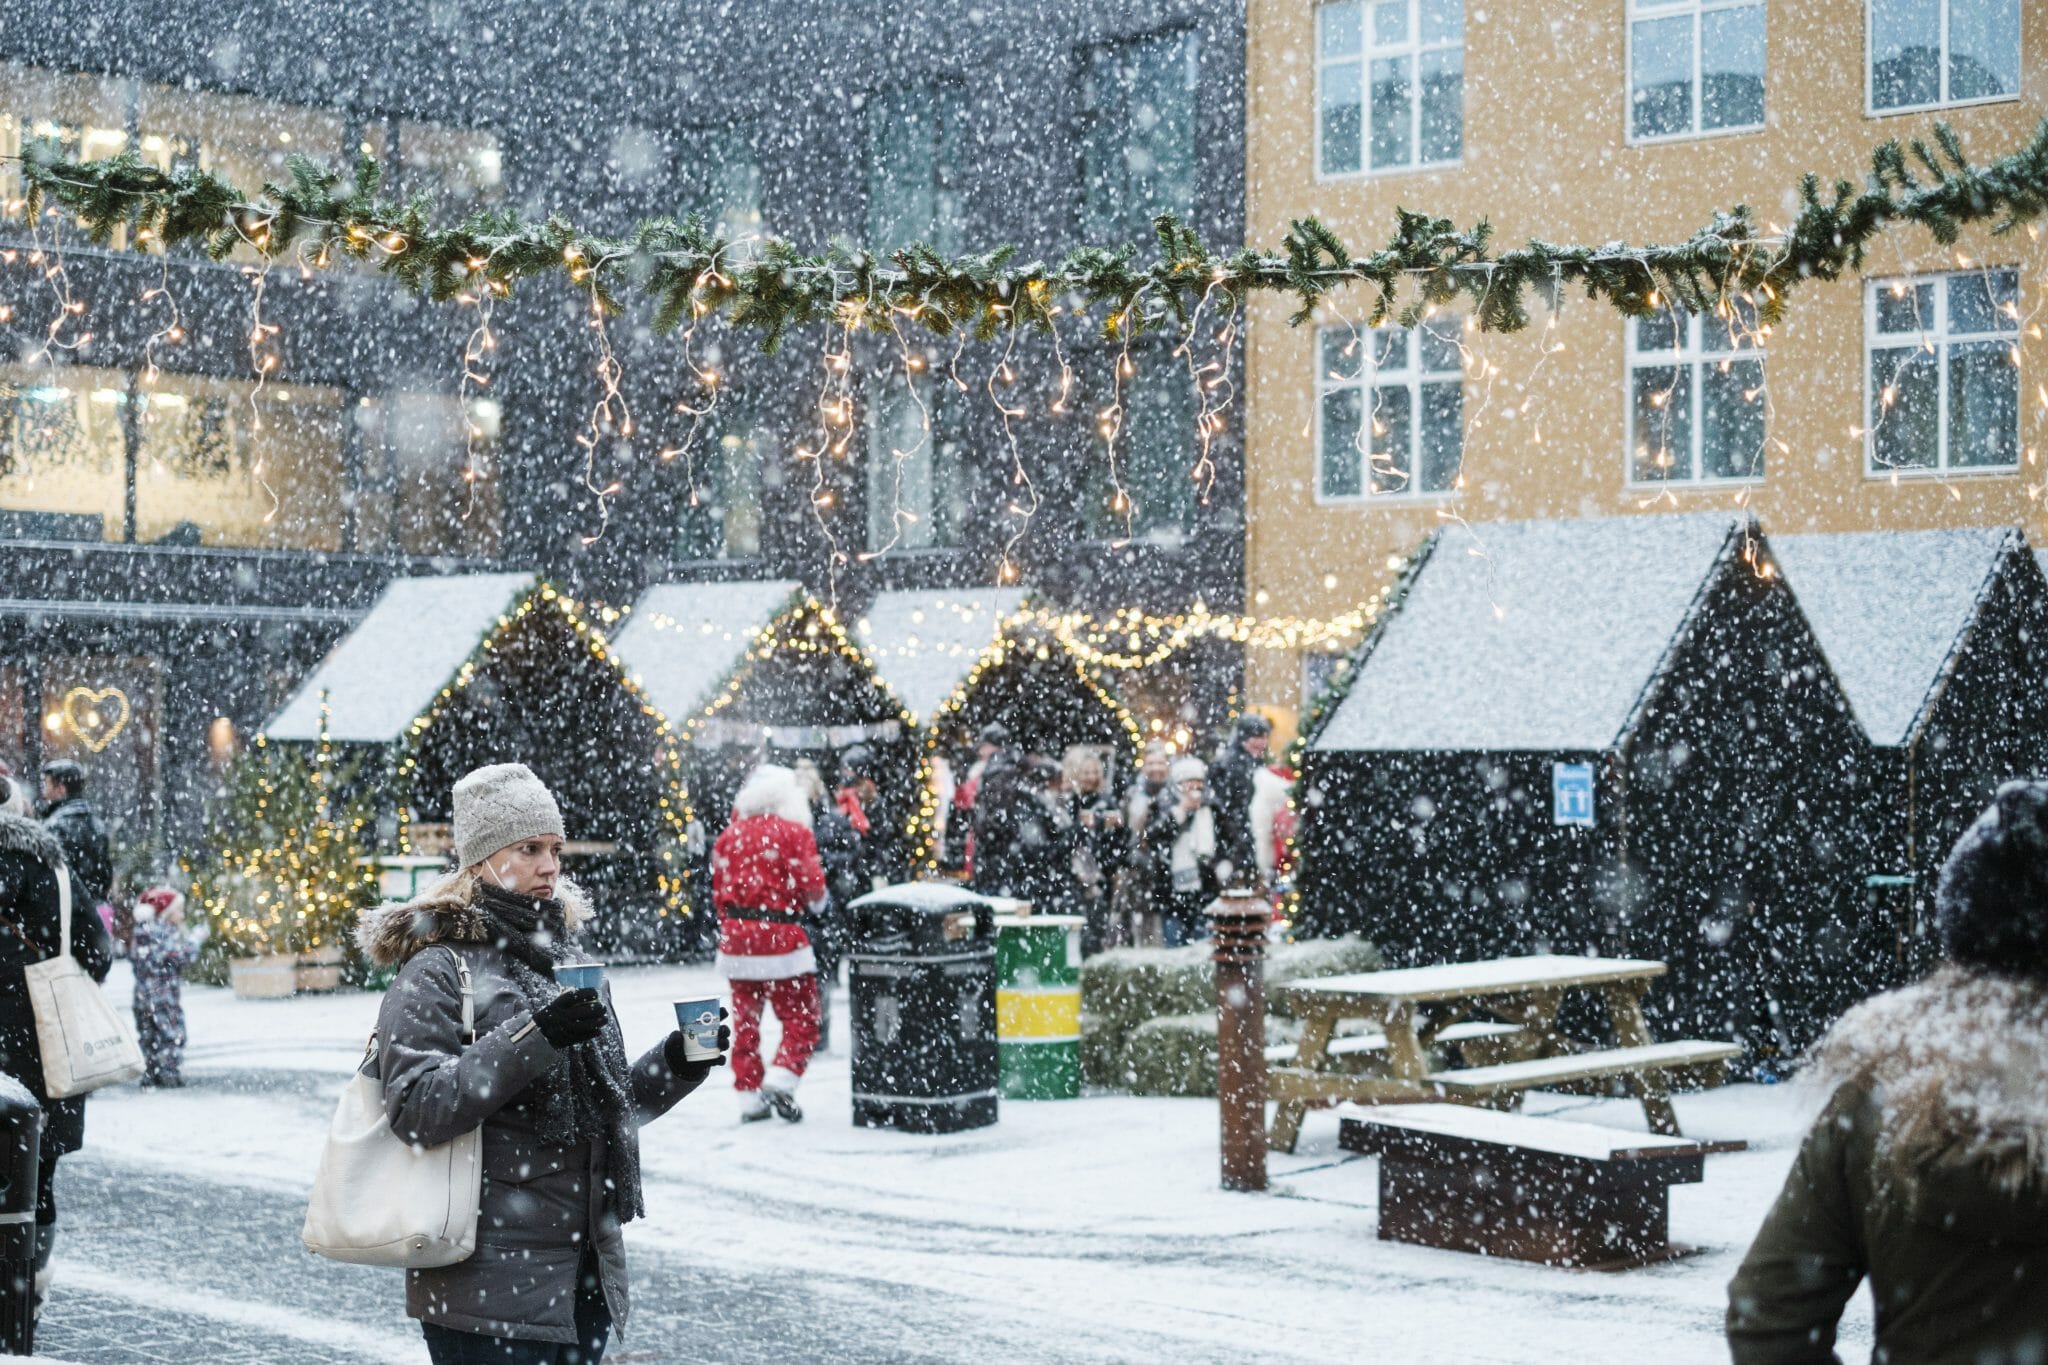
[578,976]
[698,1019]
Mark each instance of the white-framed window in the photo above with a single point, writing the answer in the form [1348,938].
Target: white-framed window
[1390,411]
[1696,397]
[1390,77]
[1927,53]
[1944,373]
[1695,66]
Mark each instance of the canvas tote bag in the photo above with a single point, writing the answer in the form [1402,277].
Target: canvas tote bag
[379,1200]
[85,1045]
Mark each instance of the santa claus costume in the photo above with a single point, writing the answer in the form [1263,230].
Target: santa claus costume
[765,877]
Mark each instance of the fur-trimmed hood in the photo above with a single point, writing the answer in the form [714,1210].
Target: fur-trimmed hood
[445,912]
[1957,1066]
[19,834]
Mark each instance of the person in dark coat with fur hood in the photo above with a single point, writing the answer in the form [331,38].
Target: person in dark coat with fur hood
[31,861]
[1927,1172]
[546,1077]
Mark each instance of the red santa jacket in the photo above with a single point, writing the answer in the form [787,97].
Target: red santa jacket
[765,863]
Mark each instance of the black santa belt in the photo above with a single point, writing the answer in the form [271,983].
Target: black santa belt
[755,912]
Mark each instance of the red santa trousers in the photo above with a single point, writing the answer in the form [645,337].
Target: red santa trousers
[795,1001]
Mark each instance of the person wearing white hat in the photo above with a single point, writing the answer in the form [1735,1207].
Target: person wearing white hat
[1181,837]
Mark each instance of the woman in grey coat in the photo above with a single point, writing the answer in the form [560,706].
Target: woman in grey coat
[545,1077]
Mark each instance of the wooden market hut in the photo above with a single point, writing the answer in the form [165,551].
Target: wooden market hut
[1038,688]
[444,674]
[1613,735]
[1940,640]
[759,671]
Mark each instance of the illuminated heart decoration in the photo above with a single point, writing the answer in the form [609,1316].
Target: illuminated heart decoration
[96,716]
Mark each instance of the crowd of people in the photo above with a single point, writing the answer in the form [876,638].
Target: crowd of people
[1140,867]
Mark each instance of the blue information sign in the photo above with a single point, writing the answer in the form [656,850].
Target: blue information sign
[1571,793]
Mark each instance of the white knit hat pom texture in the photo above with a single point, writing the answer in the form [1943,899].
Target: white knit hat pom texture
[498,805]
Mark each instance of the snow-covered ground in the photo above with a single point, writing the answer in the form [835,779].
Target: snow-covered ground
[1091,1229]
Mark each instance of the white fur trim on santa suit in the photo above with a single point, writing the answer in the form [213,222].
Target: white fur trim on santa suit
[781,1078]
[772,789]
[751,1102]
[768,966]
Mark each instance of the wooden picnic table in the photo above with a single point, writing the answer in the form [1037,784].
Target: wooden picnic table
[1416,1006]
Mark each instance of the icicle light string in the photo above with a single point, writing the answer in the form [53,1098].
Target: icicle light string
[1022,499]
[476,376]
[779,287]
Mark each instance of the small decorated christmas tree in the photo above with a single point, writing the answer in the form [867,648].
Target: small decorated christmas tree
[287,875]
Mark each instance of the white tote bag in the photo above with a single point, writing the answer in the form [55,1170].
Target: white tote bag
[85,1045]
[379,1200]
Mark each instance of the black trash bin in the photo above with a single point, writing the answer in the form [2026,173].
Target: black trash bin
[21,1133]
[922,975]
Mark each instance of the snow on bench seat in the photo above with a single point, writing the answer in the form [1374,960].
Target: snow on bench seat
[1578,1066]
[1557,1137]
[1534,1189]
[1466,1031]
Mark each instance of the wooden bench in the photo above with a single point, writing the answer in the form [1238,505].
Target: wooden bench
[1375,1042]
[1644,1069]
[1574,1194]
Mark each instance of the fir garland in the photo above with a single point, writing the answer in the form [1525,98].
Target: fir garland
[688,271]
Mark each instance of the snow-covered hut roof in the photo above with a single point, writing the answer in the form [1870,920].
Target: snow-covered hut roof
[1537,635]
[1889,608]
[683,639]
[923,643]
[409,645]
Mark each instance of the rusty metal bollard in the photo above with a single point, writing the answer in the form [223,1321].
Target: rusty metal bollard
[1238,919]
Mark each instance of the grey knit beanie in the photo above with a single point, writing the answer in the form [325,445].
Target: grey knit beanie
[498,805]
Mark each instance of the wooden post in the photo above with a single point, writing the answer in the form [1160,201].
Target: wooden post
[1238,919]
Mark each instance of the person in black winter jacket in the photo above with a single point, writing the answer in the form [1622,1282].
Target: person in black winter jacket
[77,826]
[1231,789]
[842,853]
[31,861]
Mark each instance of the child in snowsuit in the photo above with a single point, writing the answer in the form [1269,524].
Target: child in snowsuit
[161,951]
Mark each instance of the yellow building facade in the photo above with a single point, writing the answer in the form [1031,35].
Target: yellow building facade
[1910,397]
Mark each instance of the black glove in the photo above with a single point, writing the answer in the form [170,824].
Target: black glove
[694,1072]
[572,1017]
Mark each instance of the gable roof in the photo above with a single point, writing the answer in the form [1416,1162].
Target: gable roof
[923,643]
[683,639]
[1889,609]
[1530,636]
[408,646]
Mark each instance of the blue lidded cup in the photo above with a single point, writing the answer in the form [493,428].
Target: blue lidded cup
[698,1020]
[579,976]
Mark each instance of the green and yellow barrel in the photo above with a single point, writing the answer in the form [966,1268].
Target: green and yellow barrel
[1038,1006]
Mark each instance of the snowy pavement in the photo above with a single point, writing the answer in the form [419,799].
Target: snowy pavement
[1090,1230]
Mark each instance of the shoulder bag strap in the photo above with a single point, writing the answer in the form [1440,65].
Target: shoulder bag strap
[468,1008]
[63,909]
[468,999]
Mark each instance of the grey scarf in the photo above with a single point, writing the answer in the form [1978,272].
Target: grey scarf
[588,1092]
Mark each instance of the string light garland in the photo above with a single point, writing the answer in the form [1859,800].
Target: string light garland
[1129,639]
[687,270]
